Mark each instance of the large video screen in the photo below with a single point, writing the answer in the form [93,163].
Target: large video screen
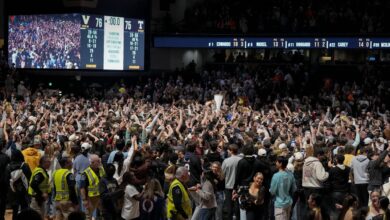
[76,41]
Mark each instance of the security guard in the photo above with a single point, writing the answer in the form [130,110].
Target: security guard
[90,185]
[39,187]
[64,189]
[178,201]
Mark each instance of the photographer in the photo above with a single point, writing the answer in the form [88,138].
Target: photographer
[245,173]
[256,203]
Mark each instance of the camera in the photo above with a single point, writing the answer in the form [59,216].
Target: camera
[243,190]
[244,197]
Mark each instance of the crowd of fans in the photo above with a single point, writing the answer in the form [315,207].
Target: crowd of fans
[287,16]
[278,147]
[44,41]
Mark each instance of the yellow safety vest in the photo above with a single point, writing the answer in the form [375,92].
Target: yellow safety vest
[185,200]
[61,185]
[93,180]
[44,186]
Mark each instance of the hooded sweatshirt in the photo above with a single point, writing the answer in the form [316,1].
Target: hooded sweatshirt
[314,173]
[32,157]
[245,171]
[339,177]
[359,169]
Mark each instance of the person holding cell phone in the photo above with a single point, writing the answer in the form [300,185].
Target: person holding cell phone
[207,206]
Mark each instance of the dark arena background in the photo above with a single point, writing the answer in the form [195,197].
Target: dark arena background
[195,109]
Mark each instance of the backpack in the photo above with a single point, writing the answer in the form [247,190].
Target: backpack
[18,181]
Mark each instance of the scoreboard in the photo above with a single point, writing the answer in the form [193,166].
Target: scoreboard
[269,42]
[76,41]
[112,43]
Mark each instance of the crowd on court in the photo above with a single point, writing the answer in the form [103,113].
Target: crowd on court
[165,149]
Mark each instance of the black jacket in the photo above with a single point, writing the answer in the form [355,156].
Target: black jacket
[15,166]
[263,165]
[339,177]
[110,193]
[374,170]
[214,157]
[245,171]
[209,158]
[20,194]
[4,160]
[195,168]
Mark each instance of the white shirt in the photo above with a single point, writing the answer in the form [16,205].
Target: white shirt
[130,207]
[126,165]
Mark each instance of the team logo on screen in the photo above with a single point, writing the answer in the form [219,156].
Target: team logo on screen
[85,18]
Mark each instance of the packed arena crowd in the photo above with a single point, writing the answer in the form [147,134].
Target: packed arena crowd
[276,147]
[42,42]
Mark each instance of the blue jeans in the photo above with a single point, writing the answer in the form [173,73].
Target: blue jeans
[50,210]
[207,214]
[242,212]
[78,184]
[220,197]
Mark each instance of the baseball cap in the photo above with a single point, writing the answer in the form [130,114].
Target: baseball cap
[367,141]
[298,156]
[262,152]
[282,146]
[85,146]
